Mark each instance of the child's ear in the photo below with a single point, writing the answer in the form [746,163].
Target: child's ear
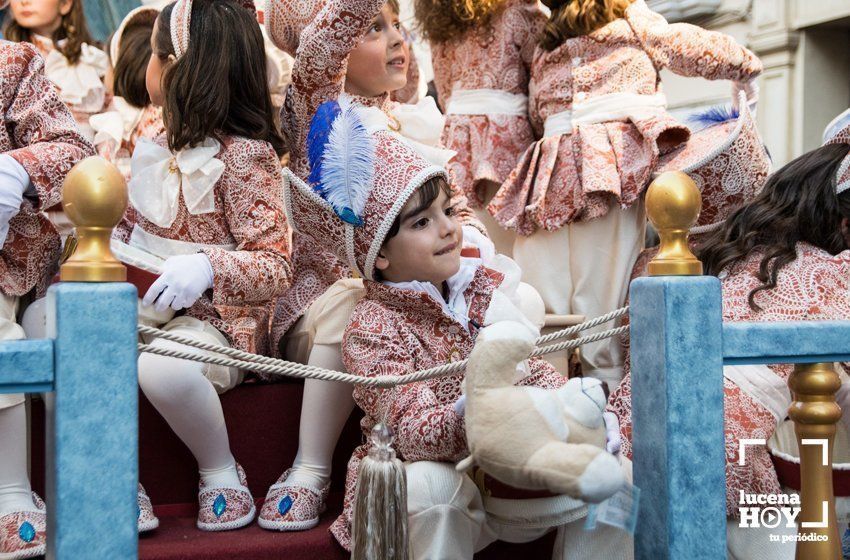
[65,6]
[382,262]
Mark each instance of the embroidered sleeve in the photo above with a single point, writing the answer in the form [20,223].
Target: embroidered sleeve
[425,429]
[322,58]
[258,270]
[43,126]
[693,51]
[529,23]
[441,55]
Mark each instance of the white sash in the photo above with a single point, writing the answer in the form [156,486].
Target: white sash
[605,108]
[487,102]
[764,386]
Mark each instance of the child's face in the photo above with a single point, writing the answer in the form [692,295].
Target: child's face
[427,246]
[378,65]
[153,75]
[42,17]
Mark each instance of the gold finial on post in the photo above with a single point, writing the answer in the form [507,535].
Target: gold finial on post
[94,198]
[815,412]
[673,204]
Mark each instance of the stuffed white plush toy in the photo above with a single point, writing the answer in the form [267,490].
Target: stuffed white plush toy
[534,438]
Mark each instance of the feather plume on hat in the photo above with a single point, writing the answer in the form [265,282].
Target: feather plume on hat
[341,153]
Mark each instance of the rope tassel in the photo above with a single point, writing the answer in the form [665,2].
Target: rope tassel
[379,527]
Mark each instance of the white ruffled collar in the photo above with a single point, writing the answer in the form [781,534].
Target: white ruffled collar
[455,306]
[116,125]
[80,85]
[159,177]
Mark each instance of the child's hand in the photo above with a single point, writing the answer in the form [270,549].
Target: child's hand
[473,237]
[460,406]
[612,430]
[751,89]
[183,280]
[14,180]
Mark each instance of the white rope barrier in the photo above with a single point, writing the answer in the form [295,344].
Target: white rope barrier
[264,364]
[292,369]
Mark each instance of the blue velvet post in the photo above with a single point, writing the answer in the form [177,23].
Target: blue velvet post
[92,426]
[26,366]
[677,415]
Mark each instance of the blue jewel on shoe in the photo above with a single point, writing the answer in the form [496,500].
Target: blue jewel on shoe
[26,532]
[219,505]
[284,505]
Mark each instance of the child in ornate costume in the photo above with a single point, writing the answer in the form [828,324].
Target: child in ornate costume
[351,49]
[131,115]
[785,256]
[39,143]
[391,218]
[482,52]
[58,30]
[595,98]
[206,198]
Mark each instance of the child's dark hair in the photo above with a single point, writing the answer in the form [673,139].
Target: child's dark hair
[427,194]
[219,85]
[132,63]
[798,203]
[73,29]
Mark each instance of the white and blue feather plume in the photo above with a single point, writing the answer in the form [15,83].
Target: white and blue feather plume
[341,154]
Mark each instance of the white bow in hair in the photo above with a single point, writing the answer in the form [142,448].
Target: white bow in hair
[158,178]
[420,126]
[80,84]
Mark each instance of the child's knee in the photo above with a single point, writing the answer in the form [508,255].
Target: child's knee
[162,377]
[431,484]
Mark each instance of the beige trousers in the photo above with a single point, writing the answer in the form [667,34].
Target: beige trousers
[449,520]
[10,330]
[584,268]
[324,322]
[502,238]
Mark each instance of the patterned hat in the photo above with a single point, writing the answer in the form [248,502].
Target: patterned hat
[360,180]
[181,21]
[726,159]
[143,15]
[286,20]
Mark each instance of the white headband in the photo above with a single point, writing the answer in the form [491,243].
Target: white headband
[181,18]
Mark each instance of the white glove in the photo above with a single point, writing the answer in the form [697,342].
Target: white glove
[474,238]
[183,281]
[612,431]
[460,406]
[751,88]
[14,180]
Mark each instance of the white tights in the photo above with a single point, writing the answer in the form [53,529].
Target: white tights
[189,403]
[324,410]
[15,494]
